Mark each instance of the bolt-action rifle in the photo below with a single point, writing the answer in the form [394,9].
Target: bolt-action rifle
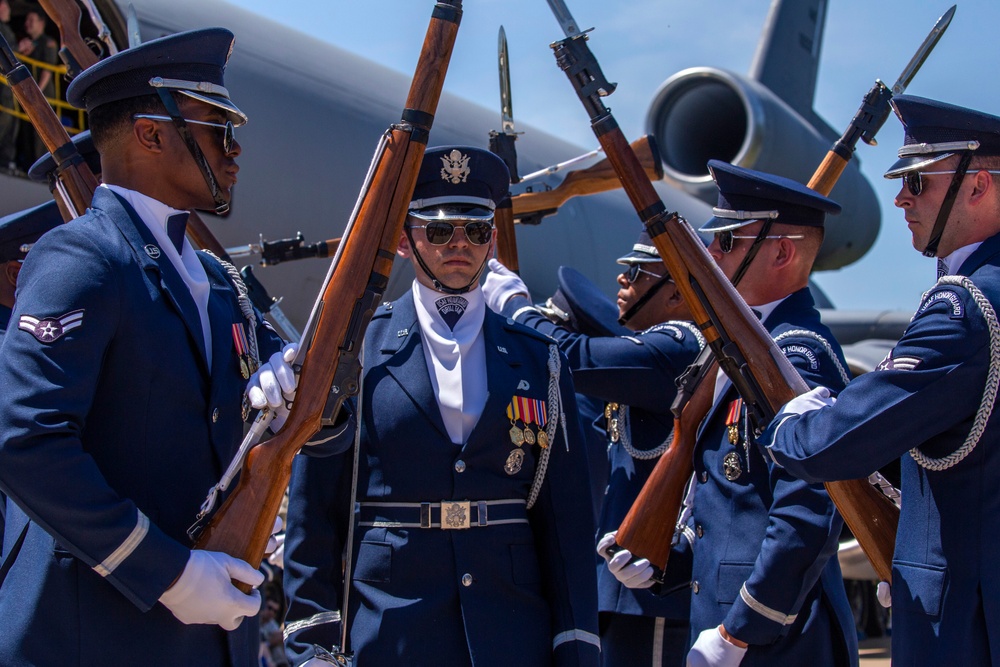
[75,180]
[662,494]
[763,376]
[531,207]
[328,357]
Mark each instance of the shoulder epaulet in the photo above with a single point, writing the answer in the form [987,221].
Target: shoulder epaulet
[384,310]
[516,327]
[677,329]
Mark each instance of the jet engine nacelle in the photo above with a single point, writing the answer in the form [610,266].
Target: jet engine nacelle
[704,113]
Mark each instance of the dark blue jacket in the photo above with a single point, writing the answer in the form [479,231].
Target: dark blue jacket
[513,589]
[637,371]
[926,394]
[765,555]
[110,437]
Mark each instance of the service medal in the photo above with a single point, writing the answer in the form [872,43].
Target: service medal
[516,436]
[731,466]
[529,435]
[733,421]
[543,439]
[244,368]
[514,462]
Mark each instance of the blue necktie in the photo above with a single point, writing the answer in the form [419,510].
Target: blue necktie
[942,268]
[176,225]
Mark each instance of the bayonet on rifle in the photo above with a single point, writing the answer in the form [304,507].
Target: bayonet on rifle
[925,50]
[103,33]
[874,111]
[743,347]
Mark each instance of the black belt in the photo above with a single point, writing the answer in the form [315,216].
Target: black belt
[458,514]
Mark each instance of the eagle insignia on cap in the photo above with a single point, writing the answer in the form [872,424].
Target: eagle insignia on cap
[50,329]
[456,167]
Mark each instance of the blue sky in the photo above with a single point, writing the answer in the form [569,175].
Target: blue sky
[640,43]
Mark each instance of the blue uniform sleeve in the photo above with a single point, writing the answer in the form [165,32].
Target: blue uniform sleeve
[802,532]
[49,389]
[315,538]
[919,395]
[618,368]
[563,526]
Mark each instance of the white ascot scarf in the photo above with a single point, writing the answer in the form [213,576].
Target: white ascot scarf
[456,359]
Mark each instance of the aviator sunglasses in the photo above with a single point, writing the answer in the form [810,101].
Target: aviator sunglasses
[228,131]
[915,182]
[478,227]
[726,238]
[632,273]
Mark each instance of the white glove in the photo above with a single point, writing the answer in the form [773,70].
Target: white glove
[711,650]
[204,593]
[884,594]
[275,540]
[604,543]
[632,575]
[273,385]
[814,399]
[277,557]
[501,284]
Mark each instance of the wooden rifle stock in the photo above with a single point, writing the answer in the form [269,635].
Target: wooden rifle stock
[648,528]
[599,177]
[74,175]
[503,218]
[353,289]
[74,52]
[745,350]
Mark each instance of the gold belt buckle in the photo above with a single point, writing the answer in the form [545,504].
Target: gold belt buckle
[454,514]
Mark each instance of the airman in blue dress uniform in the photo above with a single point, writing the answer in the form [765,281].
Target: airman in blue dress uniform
[579,306]
[123,388]
[472,541]
[931,401]
[18,231]
[634,376]
[766,586]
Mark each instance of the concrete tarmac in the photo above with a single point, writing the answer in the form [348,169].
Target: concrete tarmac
[875,652]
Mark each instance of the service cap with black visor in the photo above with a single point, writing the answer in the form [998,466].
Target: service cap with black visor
[191,64]
[747,196]
[643,252]
[934,131]
[458,186]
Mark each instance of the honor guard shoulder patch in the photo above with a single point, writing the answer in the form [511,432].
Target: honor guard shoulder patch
[950,297]
[891,363]
[804,352]
[50,329]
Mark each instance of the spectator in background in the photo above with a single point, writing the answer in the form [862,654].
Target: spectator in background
[41,47]
[272,644]
[8,123]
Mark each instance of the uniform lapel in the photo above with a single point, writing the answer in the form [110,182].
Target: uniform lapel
[503,378]
[221,316]
[406,363]
[155,264]
[989,248]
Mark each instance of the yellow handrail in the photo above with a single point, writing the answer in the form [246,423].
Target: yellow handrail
[75,120]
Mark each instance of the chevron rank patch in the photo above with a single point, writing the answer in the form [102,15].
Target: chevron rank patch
[903,363]
[50,329]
